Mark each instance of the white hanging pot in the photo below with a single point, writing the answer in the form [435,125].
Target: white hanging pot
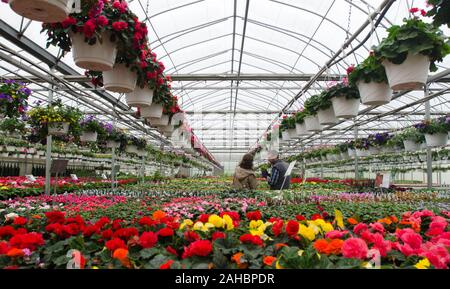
[162,121]
[410,145]
[140,97]
[49,11]
[89,136]
[436,140]
[351,152]
[177,118]
[326,116]
[374,150]
[155,110]
[98,57]
[112,144]
[410,75]
[167,128]
[300,129]
[388,149]
[312,123]
[167,133]
[344,156]
[131,149]
[362,153]
[292,133]
[58,128]
[120,79]
[345,108]
[285,136]
[374,93]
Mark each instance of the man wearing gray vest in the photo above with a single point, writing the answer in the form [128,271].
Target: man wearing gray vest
[279,168]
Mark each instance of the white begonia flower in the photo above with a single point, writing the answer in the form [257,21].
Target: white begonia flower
[11,216]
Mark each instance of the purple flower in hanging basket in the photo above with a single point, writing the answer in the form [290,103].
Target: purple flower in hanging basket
[25,90]
[108,127]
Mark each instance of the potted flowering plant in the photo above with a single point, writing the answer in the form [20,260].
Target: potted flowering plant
[91,127]
[13,99]
[440,12]
[362,147]
[96,34]
[287,128]
[325,111]
[409,52]
[300,126]
[435,131]
[14,126]
[135,145]
[412,139]
[377,142]
[55,119]
[311,107]
[163,101]
[351,148]
[371,80]
[343,150]
[345,99]
[49,11]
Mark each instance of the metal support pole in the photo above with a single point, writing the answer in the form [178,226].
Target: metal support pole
[321,161]
[113,160]
[429,157]
[48,156]
[356,156]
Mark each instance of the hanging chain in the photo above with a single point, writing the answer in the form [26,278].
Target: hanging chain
[146,9]
[349,20]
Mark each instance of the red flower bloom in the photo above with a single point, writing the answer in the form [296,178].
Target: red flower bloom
[191,236]
[200,248]
[20,221]
[102,222]
[171,250]
[107,234]
[69,21]
[55,217]
[277,228]
[255,215]
[90,230]
[218,235]
[102,20]
[146,221]
[148,239]
[316,216]
[165,232]
[423,12]
[250,239]
[29,240]
[300,218]
[151,75]
[116,224]
[89,28]
[166,265]
[414,10]
[125,233]
[114,244]
[3,248]
[292,228]
[204,218]
[119,25]
[350,69]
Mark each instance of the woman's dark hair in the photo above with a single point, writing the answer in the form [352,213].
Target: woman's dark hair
[247,162]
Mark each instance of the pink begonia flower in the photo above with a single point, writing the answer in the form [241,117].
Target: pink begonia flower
[359,228]
[354,248]
[335,234]
[437,226]
[377,227]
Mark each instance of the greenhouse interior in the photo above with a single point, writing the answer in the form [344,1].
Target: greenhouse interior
[224,134]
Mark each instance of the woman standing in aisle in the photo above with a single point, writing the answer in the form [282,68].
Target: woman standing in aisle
[244,176]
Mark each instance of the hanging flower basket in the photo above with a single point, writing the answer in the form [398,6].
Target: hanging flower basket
[374,150]
[177,118]
[345,156]
[351,152]
[58,128]
[292,133]
[436,140]
[411,146]
[162,121]
[132,149]
[300,129]
[410,75]
[155,110]
[98,57]
[285,136]
[112,144]
[344,107]
[362,153]
[121,79]
[49,11]
[89,136]
[374,93]
[167,128]
[140,97]
[326,116]
[312,123]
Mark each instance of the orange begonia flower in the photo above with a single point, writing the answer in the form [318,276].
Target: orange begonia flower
[278,246]
[158,215]
[121,254]
[268,260]
[352,221]
[14,252]
[320,245]
[237,258]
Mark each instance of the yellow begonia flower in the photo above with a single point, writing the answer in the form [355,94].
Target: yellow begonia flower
[306,232]
[367,265]
[423,264]
[255,224]
[327,227]
[339,219]
[300,252]
[208,226]
[314,226]
[228,222]
[198,226]
[216,221]
[187,222]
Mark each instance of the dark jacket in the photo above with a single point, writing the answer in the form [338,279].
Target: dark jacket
[244,179]
[277,176]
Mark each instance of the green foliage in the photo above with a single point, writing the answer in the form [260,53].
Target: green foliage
[414,37]
[370,70]
[412,134]
[440,12]
[433,126]
[300,117]
[13,125]
[343,89]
